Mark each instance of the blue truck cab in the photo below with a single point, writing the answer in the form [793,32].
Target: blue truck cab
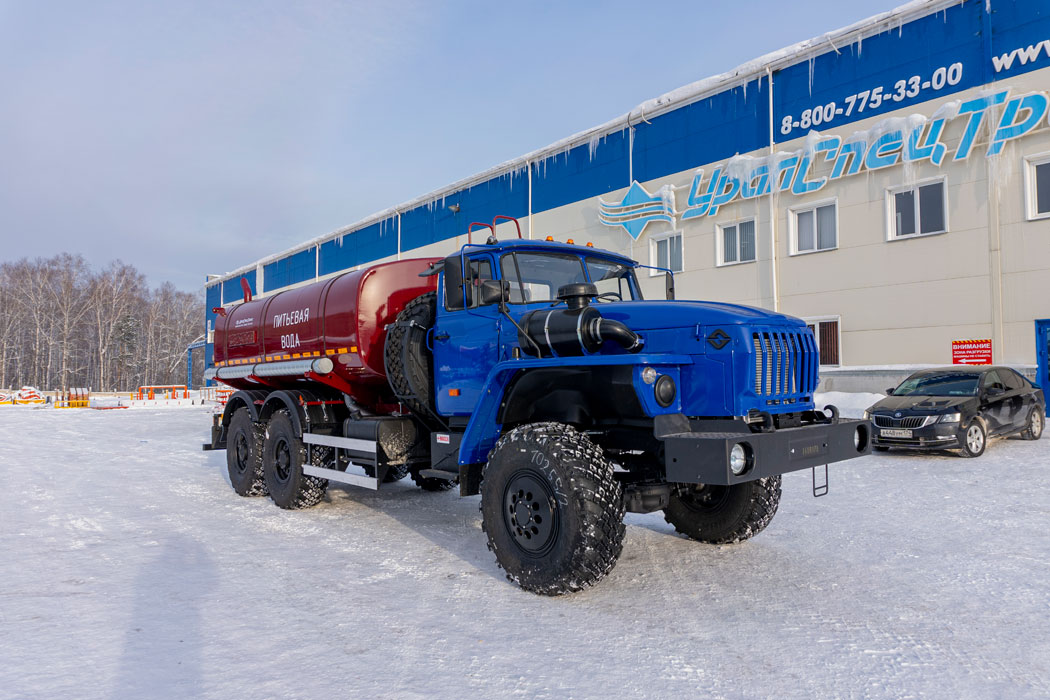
[539,377]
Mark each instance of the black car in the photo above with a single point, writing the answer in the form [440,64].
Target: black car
[957,408]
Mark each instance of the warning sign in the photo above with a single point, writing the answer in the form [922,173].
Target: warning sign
[972,352]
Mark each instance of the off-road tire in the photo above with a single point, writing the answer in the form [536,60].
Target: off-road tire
[579,535]
[1036,422]
[244,454]
[973,446]
[724,514]
[407,358]
[283,457]
[431,484]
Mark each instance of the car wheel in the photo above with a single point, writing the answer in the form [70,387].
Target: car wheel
[974,439]
[1034,427]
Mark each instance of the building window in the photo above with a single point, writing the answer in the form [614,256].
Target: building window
[827,334]
[1037,186]
[815,228]
[666,251]
[736,243]
[917,210]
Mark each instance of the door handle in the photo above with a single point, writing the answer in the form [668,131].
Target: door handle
[441,335]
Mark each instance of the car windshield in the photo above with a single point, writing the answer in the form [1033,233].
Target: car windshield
[536,277]
[946,384]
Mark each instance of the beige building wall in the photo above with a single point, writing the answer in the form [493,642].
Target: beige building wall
[898,301]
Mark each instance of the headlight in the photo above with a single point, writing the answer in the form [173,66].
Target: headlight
[950,418]
[649,375]
[738,459]
[867,415]
[664,391]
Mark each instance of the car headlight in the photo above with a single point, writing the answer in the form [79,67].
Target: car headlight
[867,415]
[739,458]
[950,418]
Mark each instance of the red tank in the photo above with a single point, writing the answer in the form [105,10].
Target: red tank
[342,319]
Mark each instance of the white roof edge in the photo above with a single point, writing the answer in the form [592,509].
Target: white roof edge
[674,99]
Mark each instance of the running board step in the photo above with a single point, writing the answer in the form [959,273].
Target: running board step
[438,474]
[341,477]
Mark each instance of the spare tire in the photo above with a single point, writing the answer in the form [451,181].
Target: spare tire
[408,360]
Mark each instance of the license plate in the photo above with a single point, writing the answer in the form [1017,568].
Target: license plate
[895,433]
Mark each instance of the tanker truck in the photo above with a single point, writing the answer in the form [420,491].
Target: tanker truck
[533,373]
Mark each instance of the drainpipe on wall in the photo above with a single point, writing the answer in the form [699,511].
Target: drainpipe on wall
[995,261]
[774,261]
[528,173]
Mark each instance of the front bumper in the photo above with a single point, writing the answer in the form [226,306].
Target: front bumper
[697,452]
[939,436]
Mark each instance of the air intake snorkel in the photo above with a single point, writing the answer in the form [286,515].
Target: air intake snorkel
[576,330]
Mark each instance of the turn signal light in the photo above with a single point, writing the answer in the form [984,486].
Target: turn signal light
[453,392]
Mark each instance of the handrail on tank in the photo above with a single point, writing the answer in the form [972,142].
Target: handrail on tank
[507,218]
[470,228]
[247,289]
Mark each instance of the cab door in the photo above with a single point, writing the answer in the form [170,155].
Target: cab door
[465,335]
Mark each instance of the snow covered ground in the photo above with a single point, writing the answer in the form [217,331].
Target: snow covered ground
[130,569]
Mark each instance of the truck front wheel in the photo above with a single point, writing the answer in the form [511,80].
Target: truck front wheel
[723,514]
[551,508]
[283,457]
[244,455]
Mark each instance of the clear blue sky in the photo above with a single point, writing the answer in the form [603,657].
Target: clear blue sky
[194,137]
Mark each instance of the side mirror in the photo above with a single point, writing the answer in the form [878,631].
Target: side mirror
[889,392]
[493,292]
[993,391]
[669,285]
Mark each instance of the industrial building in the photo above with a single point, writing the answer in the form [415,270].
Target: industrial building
[888,181]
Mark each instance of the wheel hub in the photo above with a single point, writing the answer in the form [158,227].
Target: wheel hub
[974,439]
[242,452]
[529,513]
[705,498]
[282,460]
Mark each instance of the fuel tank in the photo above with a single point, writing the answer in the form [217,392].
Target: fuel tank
[342,319]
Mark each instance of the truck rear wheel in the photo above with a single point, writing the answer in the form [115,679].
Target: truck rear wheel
[283,457]
[407,358]
[244,455]
[552,509]
[724,514]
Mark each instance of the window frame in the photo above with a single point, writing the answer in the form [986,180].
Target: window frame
[816,321]
[653,240]
[1031,199]
[720,245]
[891,193]
[793,213]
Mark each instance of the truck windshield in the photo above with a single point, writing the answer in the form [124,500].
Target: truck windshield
[536,277]
[612,279]
[947,384]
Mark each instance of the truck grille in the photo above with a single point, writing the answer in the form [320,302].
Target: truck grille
[786,364]
[905,422]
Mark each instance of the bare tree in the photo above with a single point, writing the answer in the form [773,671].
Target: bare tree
[62,325]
